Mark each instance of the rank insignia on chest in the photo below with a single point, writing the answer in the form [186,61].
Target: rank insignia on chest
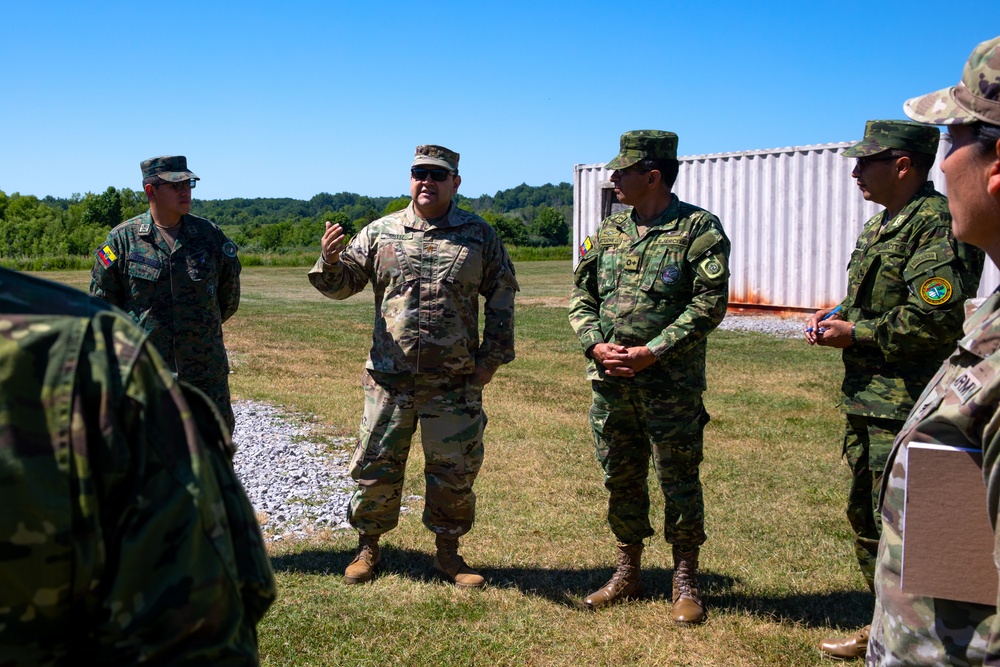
[586,247]
[935,291]
[106,256]
[632,263]
[670,275]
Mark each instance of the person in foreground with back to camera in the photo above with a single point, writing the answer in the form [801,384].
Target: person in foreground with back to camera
[652,283]
[429,265]
[961,404]
[908,279]
[125,535]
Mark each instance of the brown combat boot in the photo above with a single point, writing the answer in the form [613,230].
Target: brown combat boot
[846,648]
[625,583]
[451,565]
[688,608]
[362,568]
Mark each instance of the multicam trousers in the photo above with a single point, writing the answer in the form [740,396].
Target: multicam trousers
[449,410]
[632,422]
[867,443]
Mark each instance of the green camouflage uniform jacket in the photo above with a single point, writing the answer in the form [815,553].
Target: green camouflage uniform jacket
[667,290]
[125,535]
[427,281]
[181,298]
[907,286]
[960,407]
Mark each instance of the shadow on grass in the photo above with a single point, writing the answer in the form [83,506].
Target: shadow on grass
[844,609]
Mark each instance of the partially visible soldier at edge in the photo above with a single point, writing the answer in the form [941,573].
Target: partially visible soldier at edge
[651,284]
[429,265]
[908,280]
[125,535]
[178,276]
[961,404]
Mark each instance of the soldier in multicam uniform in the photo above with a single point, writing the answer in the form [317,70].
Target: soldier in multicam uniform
[178,276]
[961,405]
[908,280]
[125,535]
[652,283]
[428,265]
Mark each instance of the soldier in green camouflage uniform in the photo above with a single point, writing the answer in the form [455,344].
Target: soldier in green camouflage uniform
[125,535]
[651,284]
[429,265]
[178,276]
[961,404]
[908,280]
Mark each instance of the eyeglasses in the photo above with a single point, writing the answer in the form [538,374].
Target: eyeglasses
[180,186]
[865,161]
[420,174]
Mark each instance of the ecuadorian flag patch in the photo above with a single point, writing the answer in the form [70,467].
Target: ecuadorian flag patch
[586,247]
[106,256]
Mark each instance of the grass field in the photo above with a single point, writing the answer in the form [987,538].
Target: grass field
[778,568]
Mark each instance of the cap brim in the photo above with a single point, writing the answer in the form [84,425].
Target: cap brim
[436,162]
[864,150]
[177,176]
[621,162]
[938,108]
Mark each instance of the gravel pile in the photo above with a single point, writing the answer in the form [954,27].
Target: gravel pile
[775,325]
[299,486]
[296,485]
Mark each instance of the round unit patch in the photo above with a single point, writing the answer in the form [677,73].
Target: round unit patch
[670,274]
[229,248]
[935,291]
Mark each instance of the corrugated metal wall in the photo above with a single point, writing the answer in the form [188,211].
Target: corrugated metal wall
[793,216]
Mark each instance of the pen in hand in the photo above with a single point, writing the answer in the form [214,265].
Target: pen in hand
[828,315]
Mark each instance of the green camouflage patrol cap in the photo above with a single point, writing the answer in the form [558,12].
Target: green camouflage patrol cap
[639,145]
[438,156]
[171,168]
[975,98]
[883,135]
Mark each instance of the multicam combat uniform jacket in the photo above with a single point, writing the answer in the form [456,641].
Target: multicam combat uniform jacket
[124,531]
[960,407]
[667,290]
[427,281]
[181,297]
[907,286]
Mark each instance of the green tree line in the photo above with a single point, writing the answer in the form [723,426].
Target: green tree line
[524,216]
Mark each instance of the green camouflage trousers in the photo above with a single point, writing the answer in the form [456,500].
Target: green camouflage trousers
[449,410]
[218,392]
[631,422]
[867,443]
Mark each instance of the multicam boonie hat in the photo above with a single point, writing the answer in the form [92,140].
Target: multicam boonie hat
[975,98]
[171,168]
[639,145]
[438,156]
[883,135]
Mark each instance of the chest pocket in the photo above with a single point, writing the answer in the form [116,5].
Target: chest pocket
[393,264]
[200,266]
[666,271]
[466,269]
[885,274]
[142,280]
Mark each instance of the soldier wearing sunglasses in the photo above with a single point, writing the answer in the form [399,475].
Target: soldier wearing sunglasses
[908,280]
[178,276]
[429,266]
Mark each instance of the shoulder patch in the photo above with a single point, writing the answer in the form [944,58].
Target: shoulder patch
[586,247]
[106,256]
[229,249]
[936,291]
[712,267]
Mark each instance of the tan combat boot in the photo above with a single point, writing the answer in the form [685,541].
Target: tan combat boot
[451,565]
[625,583]
[688,608]
[362,568]
[846,648]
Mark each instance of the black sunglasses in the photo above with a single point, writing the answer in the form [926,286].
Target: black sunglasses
[420,174]
[179,186]
[865,161]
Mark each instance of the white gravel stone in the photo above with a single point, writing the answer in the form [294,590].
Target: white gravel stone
[788,326]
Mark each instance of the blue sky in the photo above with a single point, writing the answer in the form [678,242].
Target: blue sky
[295,98]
